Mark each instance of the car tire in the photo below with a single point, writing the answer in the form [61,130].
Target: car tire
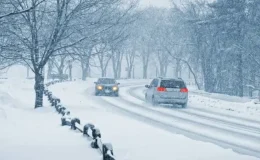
[184,105]
[96,94]
[117,94]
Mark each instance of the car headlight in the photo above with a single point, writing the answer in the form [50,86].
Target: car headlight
[99,87]
[115,88]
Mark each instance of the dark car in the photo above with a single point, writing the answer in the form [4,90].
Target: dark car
[107,86]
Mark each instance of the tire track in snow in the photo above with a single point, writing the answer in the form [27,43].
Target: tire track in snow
[170,127]
[235,146]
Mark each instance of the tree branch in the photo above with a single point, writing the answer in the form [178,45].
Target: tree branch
[15,13]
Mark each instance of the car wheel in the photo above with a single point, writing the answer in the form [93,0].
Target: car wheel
[96,94]
[116,94]
[184,105]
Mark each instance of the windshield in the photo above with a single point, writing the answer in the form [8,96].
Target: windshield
[106,81]
[172,84]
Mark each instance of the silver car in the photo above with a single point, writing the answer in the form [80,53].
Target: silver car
[167,91]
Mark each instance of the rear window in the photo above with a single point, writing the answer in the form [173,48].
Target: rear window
[106,81]
[172,84]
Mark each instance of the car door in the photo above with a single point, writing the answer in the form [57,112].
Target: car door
[152,88]
[149,91]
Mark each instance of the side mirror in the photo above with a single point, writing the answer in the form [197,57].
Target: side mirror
[118,83]
[95,82]
[147,86]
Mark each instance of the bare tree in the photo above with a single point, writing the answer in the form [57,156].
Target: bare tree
[117,57]
[59,63]
[83,54]
[104,56]
[47,28]
[130,59]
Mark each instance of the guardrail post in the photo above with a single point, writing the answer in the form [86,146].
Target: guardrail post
[107,151]
[65,119]
[96,136]
[87,127]
[73,123]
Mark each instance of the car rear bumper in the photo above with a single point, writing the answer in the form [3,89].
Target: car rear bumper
[171,100]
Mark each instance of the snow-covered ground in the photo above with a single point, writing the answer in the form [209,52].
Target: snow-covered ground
[136,130]
[35,134]
[139,133]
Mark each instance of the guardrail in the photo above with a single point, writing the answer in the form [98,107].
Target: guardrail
[88,130]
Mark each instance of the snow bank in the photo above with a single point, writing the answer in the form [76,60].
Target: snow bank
[226,102]
[250,109]
[220,96]
[35,134]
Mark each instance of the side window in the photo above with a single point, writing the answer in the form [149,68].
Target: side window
[152,83]
[155,84]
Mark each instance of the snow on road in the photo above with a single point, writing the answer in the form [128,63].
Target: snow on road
[133,139]
[241,138]
[35,134]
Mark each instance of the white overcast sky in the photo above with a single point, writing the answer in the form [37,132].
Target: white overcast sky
[163,3]
[157,3]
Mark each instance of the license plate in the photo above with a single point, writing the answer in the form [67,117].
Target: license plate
[173,89]
[107,91]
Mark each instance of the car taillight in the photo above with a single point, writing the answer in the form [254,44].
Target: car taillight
[184,90]
[161,89]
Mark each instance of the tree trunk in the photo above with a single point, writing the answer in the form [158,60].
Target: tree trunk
[193,73]
[70,72]
[84,74]
[85,67]
[104,72]
[130,58]
[115,74]
[161,69]
[129,71]
[50,66]
[145,67]
[60,70]
[240,76]
[253,80]
[119,66]
[180,71]
[177,68]
[133,72]
[116,61]
[119,71]
[39,88]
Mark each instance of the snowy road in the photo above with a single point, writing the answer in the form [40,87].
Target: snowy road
[240,134]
